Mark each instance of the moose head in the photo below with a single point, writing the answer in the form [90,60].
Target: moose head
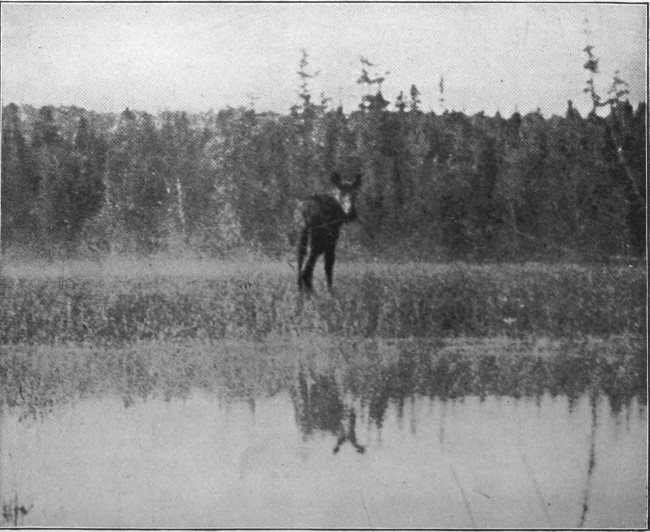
[346,194]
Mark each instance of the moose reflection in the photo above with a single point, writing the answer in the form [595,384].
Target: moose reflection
[321,398]
[318,404]
[317,223]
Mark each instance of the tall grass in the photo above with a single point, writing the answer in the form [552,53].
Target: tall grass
[212,301]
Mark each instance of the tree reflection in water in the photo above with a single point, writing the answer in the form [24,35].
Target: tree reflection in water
[374,382]
[592,457]
[331,386]
[333,377]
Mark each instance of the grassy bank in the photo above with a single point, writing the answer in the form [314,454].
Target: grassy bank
[145,301]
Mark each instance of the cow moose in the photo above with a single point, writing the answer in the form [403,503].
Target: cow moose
[318,220]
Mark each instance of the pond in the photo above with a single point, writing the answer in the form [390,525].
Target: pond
[352,445]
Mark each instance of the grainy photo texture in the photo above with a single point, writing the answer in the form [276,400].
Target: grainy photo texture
[330,265]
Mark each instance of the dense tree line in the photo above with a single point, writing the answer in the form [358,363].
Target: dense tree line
[435,185]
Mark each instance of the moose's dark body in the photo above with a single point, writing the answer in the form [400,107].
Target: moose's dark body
[318,220]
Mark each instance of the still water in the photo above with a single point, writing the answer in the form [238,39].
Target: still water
[319,452]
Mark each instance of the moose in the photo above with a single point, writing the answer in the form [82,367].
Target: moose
[318,220]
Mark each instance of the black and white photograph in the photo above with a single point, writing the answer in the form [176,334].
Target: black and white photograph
[324,265]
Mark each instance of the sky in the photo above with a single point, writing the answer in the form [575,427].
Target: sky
[196,57]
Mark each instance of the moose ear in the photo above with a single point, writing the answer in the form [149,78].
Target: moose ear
[357,181]
[336,179]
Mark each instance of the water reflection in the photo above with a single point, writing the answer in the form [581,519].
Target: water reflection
[592,458]
[502,463]
[319,405]
[369,435]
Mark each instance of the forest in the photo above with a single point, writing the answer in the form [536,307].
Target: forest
[447,186]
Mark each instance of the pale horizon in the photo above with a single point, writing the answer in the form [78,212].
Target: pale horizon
[196,57]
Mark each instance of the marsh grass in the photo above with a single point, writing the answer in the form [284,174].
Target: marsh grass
[145,301]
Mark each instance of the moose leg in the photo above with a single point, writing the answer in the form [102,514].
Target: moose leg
[302,252]
[330,257]
[339,442]
[352,438]
[308,273]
